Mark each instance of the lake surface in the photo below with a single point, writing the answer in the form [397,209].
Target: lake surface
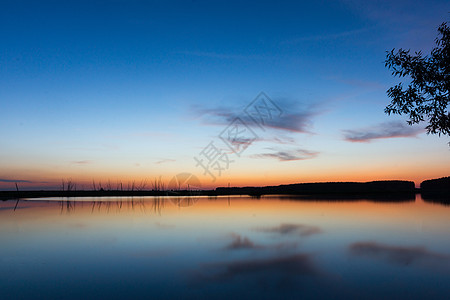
[274,247]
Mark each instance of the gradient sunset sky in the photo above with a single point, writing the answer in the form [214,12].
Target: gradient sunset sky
[135,90]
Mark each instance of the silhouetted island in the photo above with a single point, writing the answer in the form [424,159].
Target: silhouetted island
[436,190]
[374,188]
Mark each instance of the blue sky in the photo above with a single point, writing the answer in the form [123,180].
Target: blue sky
[133,90]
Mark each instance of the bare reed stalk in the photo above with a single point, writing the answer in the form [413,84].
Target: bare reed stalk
[18,196]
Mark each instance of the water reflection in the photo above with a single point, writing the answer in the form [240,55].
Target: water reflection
[116,205]
[282,271]
[241,247]
[298,229]
[382,198]
[440,199]
[397,254]
[241,242]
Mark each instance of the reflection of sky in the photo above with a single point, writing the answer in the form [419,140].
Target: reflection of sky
[234,246]
[120,91]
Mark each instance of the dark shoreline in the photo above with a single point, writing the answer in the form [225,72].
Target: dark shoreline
[6,195]
[391,190]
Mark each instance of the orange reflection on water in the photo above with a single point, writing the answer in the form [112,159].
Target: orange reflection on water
[228,210]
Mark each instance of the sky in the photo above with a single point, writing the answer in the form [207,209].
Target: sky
[123,91]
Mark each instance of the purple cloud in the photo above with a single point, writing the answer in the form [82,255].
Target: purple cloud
[385,130]
[292,119]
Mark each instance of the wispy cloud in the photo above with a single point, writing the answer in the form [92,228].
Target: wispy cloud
[296,121]
[17,180]
[81,162]
[359,83]
[278,138]
[289,229]
[410,31]
[283,140]
[385,130]
[164,160]
[396,254]
[288,155]
[100,147]
[329,36]
[293,119]
[218,55]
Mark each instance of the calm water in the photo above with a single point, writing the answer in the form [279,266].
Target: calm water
[222,247]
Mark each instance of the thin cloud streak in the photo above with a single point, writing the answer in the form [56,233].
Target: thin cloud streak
[163,161]
[327,37]
[219,55]
[13,181]
[363,84]
[385,130]
[81,162]
[289,155]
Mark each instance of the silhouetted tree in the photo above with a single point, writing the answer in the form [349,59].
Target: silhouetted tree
[426,98]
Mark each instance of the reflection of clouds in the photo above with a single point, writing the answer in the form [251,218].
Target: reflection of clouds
[287,229]
[265,268]
[238,242]
[396,254]
[78,225]
[154,253]
[281,269]
[286,247]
